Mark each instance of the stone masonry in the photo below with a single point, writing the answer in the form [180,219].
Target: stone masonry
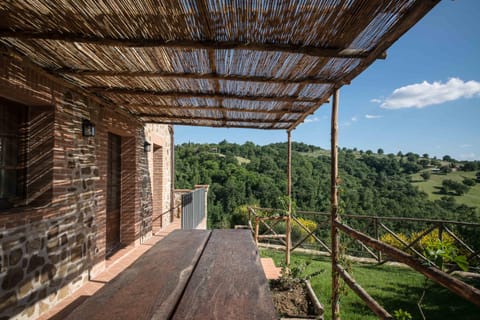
[50,246]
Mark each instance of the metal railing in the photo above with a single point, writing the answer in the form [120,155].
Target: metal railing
[193,208]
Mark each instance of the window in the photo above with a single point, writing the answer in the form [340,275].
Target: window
[12,153]
[26,154]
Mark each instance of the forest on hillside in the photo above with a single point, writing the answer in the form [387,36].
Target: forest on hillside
[372,183]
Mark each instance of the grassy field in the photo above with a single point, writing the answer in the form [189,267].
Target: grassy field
[242,160]
[393,287]
[432,187]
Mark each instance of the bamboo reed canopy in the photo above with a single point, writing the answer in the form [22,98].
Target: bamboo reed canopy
[263,64]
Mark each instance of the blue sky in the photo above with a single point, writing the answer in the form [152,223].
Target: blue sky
[424,98]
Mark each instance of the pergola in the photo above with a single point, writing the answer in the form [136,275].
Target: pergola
[246,64]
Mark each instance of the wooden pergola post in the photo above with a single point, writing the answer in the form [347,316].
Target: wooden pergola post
[335,238]
[289,193]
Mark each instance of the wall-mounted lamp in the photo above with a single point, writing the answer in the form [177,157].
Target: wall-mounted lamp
[147,147]
[88,128]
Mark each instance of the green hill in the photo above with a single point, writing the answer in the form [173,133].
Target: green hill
[433,186]
[372,184]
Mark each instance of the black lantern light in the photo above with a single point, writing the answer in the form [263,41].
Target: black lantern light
[88,128]
[147,147]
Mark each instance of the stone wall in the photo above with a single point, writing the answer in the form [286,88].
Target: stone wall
[49,248]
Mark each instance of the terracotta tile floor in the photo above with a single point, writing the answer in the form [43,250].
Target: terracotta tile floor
[119,262]
[271,271]
[114,265]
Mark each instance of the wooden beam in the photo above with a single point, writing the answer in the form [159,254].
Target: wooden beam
[369,301]
[178,94]
[458,287]
[346,53]
[218,124]
[335,237]
[219,108]
[195,76]
[194,118]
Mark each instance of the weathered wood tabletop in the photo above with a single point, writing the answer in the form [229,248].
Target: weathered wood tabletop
[191,274]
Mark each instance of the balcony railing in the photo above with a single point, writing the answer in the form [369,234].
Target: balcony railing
[193,209]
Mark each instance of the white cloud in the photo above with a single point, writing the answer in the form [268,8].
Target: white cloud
[424,94]
[312,119]
[373,116]
[354,119]
[466,145]
[376,101]
[467,156]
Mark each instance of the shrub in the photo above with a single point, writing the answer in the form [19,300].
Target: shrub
[425,175]
[430,239]
[391,240]
[300,232]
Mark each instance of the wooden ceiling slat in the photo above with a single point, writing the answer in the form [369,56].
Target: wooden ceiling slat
[219,108]
[220,124]
[178,94]
[313,51]
[195,76]
[174,117]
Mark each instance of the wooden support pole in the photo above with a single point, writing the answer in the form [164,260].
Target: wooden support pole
[257,225]
[371,303]
[377,236]
[289,194]
[335,238]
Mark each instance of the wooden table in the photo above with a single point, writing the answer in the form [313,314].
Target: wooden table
[191,274]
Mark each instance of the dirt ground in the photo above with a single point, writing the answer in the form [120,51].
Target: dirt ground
[291,300]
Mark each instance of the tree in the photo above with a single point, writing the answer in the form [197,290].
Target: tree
[412,157]
[447,158]
[424,162]
[380,151]
[445,169]
[426,175]
[425,155]
[469,182]
[470,166]
[458,188]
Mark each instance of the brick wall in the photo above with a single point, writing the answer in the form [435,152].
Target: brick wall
[160,164]
[47,252]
